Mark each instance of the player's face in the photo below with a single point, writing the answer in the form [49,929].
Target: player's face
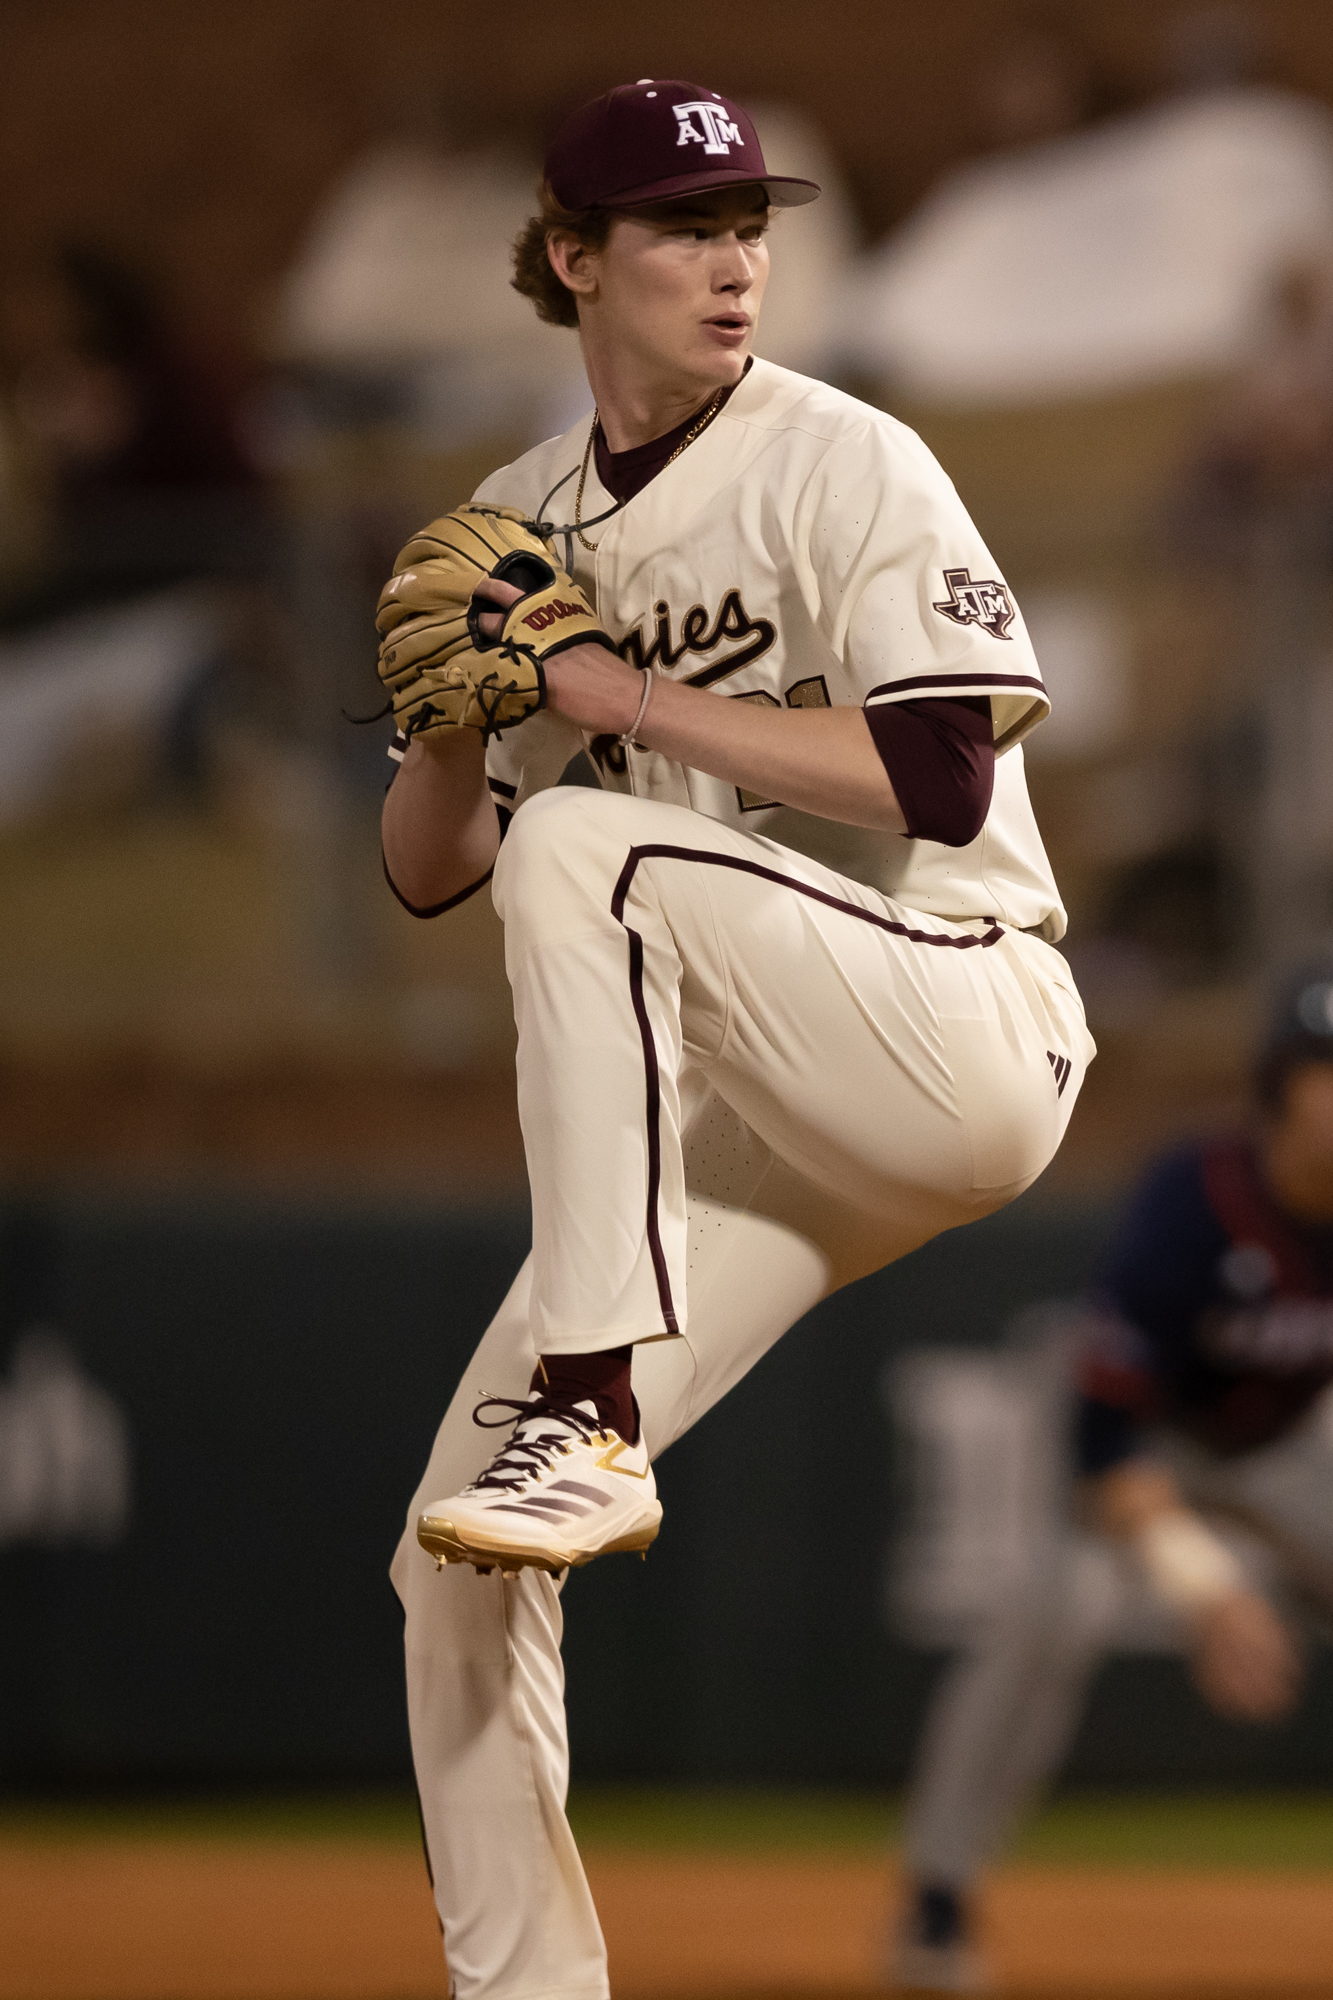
[678,285]
[1300,1143]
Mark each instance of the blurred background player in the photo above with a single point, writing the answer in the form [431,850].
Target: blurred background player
[1201,1371]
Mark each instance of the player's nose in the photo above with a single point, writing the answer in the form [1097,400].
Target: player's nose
[733,270]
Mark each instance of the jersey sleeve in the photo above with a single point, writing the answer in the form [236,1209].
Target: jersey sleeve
[1138,1337]
[1119,1387]
[1161,1272]
[904,588]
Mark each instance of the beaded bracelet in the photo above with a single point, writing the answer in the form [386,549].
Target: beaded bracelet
[637,723]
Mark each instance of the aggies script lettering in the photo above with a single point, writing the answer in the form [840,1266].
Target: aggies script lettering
[699,634]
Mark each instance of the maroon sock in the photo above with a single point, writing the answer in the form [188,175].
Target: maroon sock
[600,1378]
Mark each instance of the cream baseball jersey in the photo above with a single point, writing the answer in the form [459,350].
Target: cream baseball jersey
[806,550]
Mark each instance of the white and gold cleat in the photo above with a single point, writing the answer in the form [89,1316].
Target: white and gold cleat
[562,1491]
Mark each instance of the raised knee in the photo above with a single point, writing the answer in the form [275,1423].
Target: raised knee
[562,842]
[541,831]
[556,807]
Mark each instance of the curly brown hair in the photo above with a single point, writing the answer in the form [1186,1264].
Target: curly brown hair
[533,275]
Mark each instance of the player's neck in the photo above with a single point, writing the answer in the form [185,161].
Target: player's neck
[637,403]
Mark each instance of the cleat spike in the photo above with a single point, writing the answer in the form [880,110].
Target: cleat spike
[484,1569]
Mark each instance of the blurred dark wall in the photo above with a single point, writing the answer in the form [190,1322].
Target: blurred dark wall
[282,1373]
[198,141]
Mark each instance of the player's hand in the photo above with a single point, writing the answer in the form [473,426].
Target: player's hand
[503,594]
[1245,1662]
[590,685]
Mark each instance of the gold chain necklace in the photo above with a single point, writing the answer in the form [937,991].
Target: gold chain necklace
[710,410]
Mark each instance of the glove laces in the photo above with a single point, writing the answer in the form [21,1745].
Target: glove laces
[529,1452]
[489,694]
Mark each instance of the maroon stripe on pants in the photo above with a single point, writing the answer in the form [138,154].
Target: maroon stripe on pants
[653,1114]
[652,1077]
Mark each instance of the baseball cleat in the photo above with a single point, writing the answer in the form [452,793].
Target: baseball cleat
[562,1491]
[934,1952]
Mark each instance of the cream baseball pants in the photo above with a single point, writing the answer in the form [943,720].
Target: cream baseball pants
[743,1080]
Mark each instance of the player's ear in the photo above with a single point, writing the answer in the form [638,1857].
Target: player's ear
[573,261]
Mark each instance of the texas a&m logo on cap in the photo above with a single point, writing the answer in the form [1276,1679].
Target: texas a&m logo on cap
[707,125]
[657,139]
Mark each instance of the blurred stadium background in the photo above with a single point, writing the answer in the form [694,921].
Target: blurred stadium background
[261,1180]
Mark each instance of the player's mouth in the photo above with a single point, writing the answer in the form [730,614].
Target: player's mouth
[729,329]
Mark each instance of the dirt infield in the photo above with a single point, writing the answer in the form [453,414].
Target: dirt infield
[305,1920]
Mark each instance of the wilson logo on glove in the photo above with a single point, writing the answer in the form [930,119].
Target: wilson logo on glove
[549,614]
[440,669]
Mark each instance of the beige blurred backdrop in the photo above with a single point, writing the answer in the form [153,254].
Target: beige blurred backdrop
[256,328]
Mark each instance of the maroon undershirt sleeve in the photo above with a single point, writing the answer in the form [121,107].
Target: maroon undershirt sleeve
[940,757]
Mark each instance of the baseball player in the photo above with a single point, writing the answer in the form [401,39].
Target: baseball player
[786,996]
[1202,1368]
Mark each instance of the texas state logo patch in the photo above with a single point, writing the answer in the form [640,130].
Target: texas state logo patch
[982,601]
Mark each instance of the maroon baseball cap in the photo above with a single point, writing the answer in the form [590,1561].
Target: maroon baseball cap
[658,138]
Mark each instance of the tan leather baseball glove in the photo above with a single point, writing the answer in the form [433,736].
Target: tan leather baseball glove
[440,669]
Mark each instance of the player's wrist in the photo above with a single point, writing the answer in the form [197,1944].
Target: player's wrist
[1188,1567]
[592,686]
[450,755]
